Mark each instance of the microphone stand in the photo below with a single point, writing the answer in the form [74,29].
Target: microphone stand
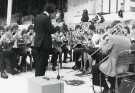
[58,76]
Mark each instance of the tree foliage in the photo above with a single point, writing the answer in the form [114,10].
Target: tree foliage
[26,7]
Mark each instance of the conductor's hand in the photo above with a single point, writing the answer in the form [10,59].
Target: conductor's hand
[58,24]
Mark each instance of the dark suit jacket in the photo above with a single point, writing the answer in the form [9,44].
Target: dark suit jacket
[43,29]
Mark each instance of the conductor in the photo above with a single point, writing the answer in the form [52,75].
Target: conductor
[43,42]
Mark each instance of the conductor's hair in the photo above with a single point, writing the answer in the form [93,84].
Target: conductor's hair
[50,8]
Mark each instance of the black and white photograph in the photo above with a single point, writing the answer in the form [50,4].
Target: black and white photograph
[67,46]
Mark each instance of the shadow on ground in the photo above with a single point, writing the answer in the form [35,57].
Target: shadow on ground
[82,74]
[75,82]
[66,67]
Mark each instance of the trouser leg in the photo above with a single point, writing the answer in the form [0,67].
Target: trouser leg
[42,62]
[98,77]
[2,63]
[54,59]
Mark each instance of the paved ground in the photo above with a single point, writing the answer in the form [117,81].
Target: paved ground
[74,81]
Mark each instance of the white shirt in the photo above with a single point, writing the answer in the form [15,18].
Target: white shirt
[96,39]
[45,12]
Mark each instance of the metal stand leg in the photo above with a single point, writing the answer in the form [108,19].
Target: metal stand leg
[100,82]
[116,85]
[58,76]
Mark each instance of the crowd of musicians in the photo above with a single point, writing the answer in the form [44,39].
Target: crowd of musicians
[93,50]
[15,46]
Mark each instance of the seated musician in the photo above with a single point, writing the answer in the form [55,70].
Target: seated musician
[8,56]
[56,50]
[65,50]
[77,54]
[1,30]
[31,35]
[60,44]
[24,47]
[112,46]
[84,43]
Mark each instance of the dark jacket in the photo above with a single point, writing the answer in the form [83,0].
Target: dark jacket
[43,29]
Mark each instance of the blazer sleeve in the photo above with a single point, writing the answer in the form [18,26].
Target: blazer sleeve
[52,29]
[43,25]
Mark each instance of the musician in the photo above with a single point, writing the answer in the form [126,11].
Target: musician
[83,41]
[56,53]
[60,16]
[77,54]
[99,18]
[65,50]
[85,16]
[1,31]
[120,12]
[118,44]
[43,42]
[64,38]
[60,47]
[92,26]
[24,47]
[114,45]
[31,34]
[8,56]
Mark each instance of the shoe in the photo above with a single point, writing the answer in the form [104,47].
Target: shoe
[75,68]
[4,75]
[13,72]
[53,68]
[65,62]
